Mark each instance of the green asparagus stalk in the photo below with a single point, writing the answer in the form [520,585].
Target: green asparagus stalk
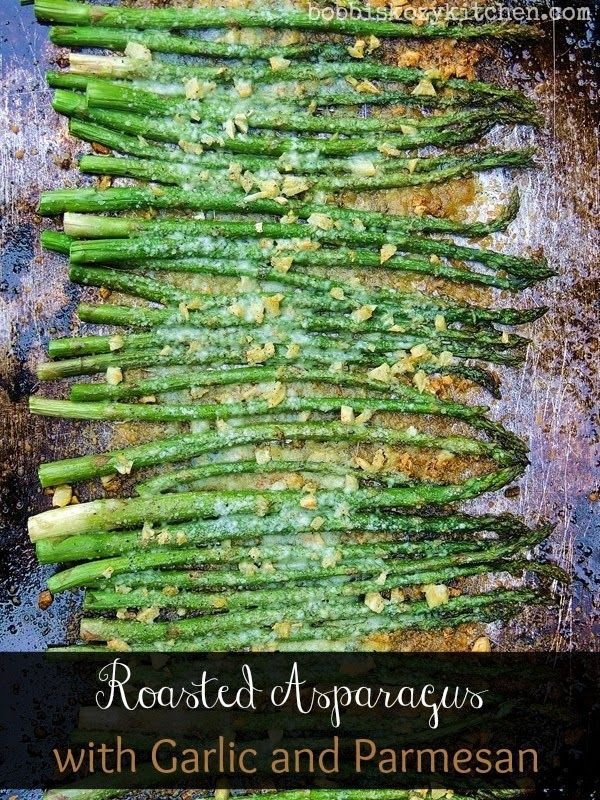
[457,90]
[304,96]
[304,164]
[288,518]
[72,104]
[163,238]
[64,12]
[340,257]
[94,201]
[187,446]
[163,42]
[106,600]
[375,338]
[112,96]
[189,176]
[67,409]
[174,74]
[354,623]
[239,376]
[115,514]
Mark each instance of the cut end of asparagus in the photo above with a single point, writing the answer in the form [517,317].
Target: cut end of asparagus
[96,65]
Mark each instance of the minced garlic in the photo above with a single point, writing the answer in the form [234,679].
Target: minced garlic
[386,252]
[279,63]
[137,51]
[347,415]
[62,496]
[436,594]
[262,455]
[114,376]
[375,602]
[357,50]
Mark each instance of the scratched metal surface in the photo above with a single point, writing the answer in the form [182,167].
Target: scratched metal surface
[551,401]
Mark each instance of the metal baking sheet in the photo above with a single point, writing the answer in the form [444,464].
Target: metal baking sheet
[551,401]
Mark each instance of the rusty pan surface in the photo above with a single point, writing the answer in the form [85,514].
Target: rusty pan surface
[551,401]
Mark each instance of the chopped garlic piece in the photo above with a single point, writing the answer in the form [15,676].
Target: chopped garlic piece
[273,304]
[309,502]
[386,252]
[194,148]
[347,415]
[440,322]
[445,358]
[375,602]
[197,90]
[242,87]
[337,293]
[229,128]
[419,351]
[279,63]
[365,416]
[256,355]
[363,167]
[357,50]
[114,376]
[115,342]
[388,149]
[436,594]
[317,523]
[282,263]
[380,373]
[138,51]
[504,338]
[62,496]
[123,465]
[424,88]
[293,351]
[363,313]
[420,380]
[372,43]
[282,629]
[482,645]
[350,483]
[293,185]
[321,221]
[367,87]
[408,130]
[277,396]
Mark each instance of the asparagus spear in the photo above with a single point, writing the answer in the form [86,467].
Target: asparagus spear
[340,257]
[106,600]
[170,243]
[356,625]
[287,163]
[64,12]
[187,446]
[304,96]
[72,104]
[112,514]
[164,42]
[93,201]
[189,176]
[288,518]
[135,69]
[240,375]
[114,96]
